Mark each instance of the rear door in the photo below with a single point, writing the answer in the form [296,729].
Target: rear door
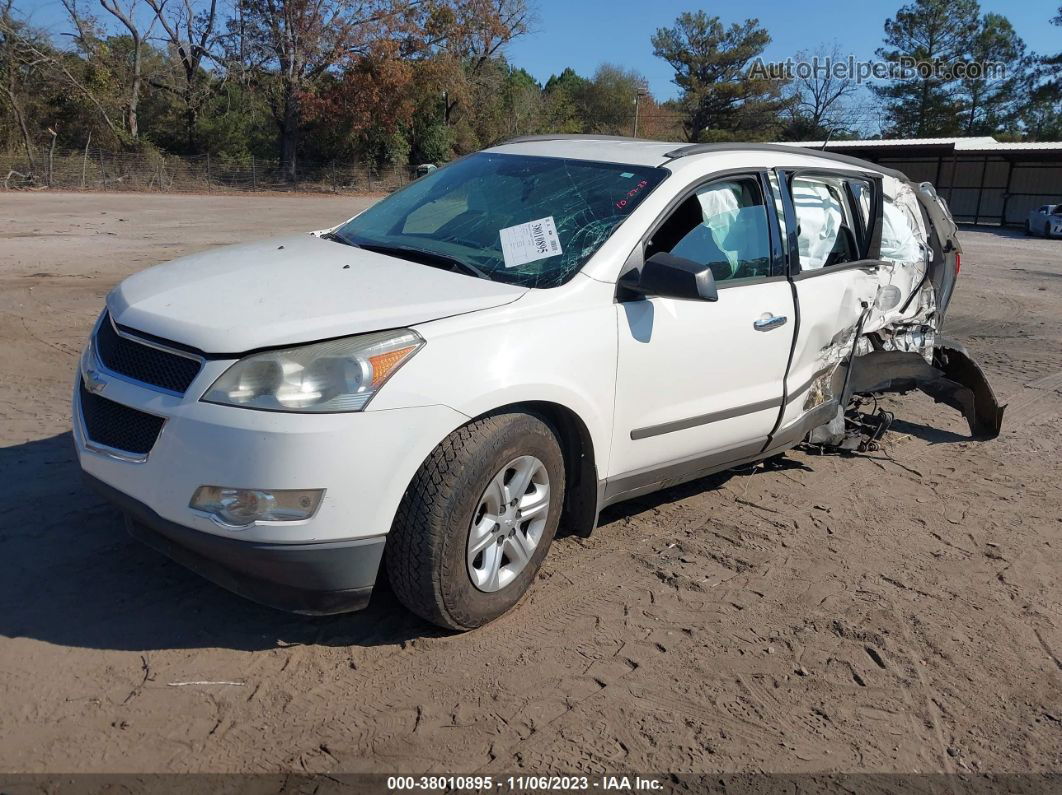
[833,223]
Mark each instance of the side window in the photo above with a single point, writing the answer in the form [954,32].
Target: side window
[825,228]
[722,225]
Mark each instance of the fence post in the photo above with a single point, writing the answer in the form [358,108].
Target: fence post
[209,187]
[334,177]
[254,176]
[84,160]
[103,171]
[51,158]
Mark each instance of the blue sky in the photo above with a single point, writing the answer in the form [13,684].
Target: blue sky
[586,33]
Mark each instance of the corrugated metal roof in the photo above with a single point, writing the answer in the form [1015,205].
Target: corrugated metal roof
[983,143]
[899,142]
[997,146]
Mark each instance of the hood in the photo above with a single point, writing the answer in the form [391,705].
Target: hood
[292,290]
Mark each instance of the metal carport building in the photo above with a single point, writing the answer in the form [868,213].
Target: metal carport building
[983,180]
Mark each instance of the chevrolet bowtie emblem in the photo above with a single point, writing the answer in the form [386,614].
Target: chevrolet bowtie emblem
[94,382]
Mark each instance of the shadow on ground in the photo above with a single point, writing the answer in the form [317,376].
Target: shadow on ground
[928,433]
[680,492]
[75,578]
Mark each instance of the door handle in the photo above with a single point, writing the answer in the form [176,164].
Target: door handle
[768,322]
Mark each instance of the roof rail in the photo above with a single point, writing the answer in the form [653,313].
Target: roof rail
[523,139]
[701,149]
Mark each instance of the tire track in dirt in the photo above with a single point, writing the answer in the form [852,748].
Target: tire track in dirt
[1004,309]
[394,684]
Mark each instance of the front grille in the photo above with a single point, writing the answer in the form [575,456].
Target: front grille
[145,363]
[114,425]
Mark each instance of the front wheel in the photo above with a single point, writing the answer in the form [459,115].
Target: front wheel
[477,520]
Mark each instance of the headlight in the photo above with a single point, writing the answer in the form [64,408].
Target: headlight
[338,375]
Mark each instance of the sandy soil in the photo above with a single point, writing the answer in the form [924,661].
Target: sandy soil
[899,611]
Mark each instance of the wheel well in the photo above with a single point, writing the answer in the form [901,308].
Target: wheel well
[579,516]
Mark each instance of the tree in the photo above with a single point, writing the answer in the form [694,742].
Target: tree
[88,39]
[15,59]
[1042,116]
[522,98]
[993,102]
[560,100]
[189,35]
[817,97]
[302,40]
[466,37]
[54,80]
[362,110]
[607,100]
[934,35]
[721,100]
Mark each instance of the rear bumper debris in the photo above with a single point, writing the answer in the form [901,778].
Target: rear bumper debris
[954,379]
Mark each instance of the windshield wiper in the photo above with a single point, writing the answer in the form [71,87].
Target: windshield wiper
[430,258]
[335,237]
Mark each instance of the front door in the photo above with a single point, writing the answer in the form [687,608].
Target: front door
[699,383]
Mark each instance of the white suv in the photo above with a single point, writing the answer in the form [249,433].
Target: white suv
[508,345]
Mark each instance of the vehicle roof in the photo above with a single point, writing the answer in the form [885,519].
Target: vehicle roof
[641,152]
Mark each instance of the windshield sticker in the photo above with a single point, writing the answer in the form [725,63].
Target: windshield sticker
[626,200]
[627,175]
[528,242]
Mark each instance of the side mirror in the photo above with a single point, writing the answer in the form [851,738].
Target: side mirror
[672,277]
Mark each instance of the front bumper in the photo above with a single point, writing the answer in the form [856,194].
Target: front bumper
[326,563]
[316,579]
[362,460]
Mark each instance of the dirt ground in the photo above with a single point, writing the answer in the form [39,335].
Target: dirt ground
[896,611]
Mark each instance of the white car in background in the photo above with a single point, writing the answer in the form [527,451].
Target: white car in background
[507,346]
[1045,221]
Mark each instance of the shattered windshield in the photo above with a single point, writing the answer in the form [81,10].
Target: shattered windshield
[532,221]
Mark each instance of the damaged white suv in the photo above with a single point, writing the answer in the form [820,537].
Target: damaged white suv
[506,346]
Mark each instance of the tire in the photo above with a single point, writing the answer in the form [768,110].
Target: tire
[429,554]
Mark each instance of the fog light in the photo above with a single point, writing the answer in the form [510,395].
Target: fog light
[242,507]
